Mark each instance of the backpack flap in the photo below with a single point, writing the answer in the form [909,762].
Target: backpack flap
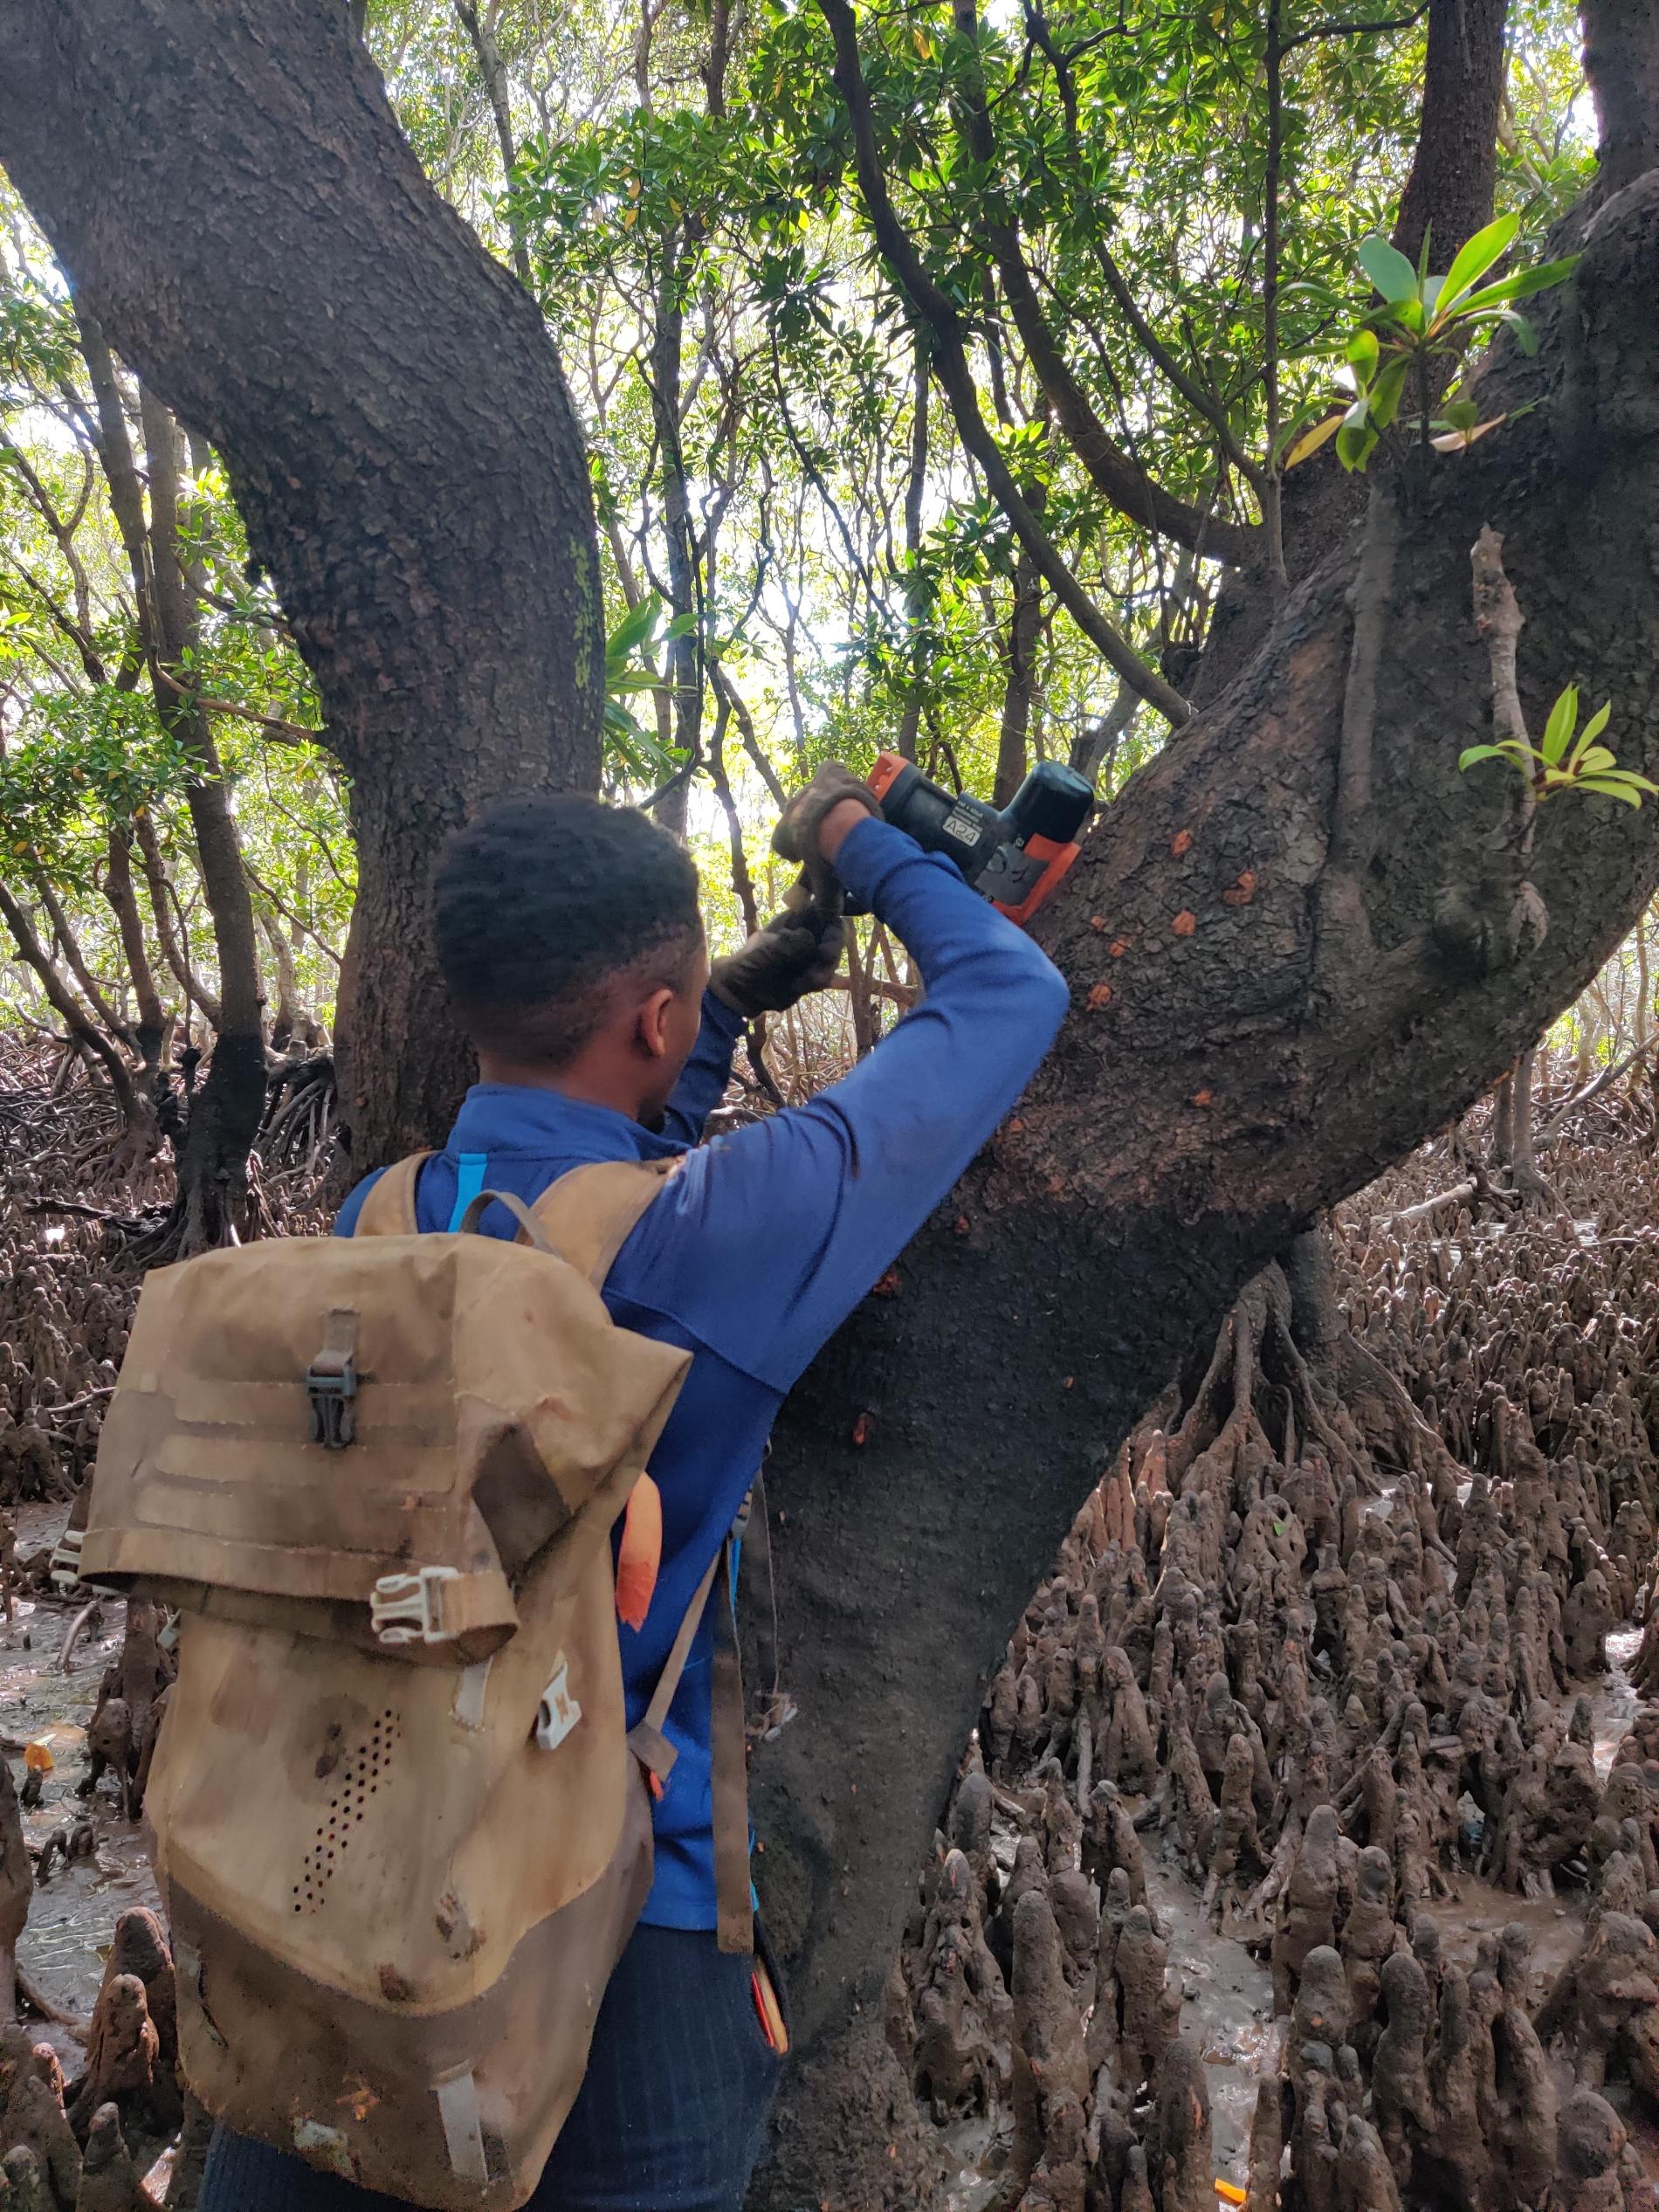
[381,1432]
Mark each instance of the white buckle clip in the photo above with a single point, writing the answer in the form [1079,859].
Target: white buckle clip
[558,1712]
[409,1609]
[64,1564]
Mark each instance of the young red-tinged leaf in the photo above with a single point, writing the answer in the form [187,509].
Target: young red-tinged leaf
[1457,441]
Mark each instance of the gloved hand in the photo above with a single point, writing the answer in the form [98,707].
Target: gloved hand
[796,835]
[798,951]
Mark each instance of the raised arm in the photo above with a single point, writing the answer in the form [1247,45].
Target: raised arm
[769,1237]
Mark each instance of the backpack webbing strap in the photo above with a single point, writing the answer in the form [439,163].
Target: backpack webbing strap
[530,1229]
[729,1778]
[590,1212]
[734,1907]
[645,1738]
[388,1210]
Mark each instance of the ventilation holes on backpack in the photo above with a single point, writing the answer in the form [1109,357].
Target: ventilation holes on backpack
[355,1780]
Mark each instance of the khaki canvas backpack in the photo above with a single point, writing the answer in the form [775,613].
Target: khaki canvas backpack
[403,1829]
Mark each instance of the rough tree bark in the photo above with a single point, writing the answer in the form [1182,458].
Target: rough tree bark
[1450,190]
[1621,61]
[229,191]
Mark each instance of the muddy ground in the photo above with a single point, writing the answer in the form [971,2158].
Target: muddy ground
[1429,1543]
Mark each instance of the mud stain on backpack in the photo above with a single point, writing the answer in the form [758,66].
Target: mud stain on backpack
[461,1939]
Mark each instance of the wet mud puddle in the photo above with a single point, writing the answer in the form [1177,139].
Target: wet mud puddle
[73,1914]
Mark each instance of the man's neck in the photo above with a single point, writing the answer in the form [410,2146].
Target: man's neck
[597,1085]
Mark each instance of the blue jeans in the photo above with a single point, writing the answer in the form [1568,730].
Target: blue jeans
[670,2118]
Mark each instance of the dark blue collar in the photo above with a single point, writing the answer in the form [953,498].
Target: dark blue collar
[514,1117]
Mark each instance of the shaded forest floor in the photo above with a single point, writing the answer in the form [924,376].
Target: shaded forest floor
[1310,1837]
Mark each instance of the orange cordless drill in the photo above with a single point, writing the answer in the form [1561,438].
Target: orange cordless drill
[1016,856]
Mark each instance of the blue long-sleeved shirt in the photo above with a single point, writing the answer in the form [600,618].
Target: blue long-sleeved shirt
[761,1246]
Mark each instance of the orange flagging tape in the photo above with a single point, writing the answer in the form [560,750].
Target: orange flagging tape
[641,1554]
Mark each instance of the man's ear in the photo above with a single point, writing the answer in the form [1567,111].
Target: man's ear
[652,1024]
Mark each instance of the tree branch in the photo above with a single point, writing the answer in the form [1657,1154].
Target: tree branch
[1112,472]
[951,366]
[495,83]
[82,1031]
[281,731]
[72,952]
[1335,29]
[1609,1074]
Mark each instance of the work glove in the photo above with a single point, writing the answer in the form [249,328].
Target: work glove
[798,951]
[796,835]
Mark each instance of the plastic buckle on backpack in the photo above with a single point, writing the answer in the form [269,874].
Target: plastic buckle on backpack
[558,1712]
[332,1396]
[64,1564]
[331,1383]
[409,1609]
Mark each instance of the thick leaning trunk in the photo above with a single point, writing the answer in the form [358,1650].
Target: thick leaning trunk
[1234,1061]
[229,191]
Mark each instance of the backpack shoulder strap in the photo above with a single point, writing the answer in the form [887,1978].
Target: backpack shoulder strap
[588,1212]
[388,1210]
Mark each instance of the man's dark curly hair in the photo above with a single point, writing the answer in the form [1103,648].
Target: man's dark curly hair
[544,908]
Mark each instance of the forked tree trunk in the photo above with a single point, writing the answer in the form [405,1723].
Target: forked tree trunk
[84,1036]
[1242,1049]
